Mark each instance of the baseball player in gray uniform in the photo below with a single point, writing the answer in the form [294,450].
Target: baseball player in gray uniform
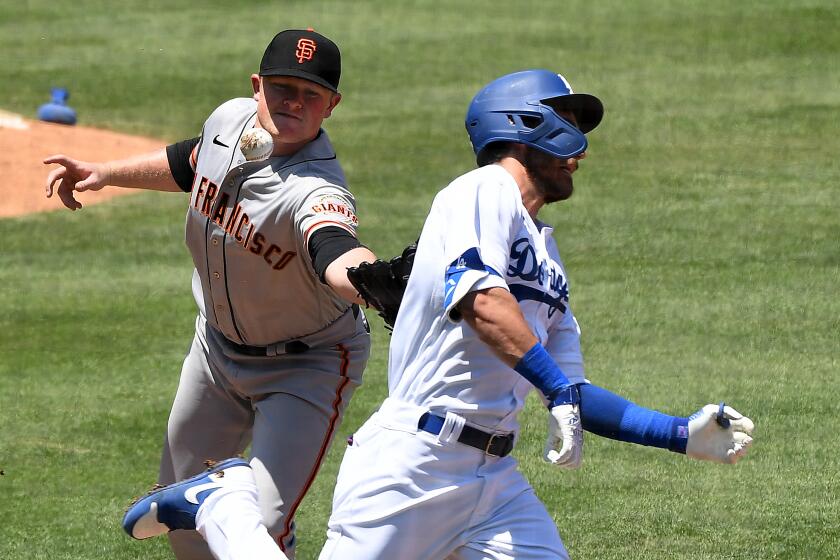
[280,342]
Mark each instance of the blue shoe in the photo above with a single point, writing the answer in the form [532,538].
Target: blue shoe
[175,506]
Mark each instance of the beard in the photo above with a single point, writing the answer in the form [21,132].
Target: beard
[549,175]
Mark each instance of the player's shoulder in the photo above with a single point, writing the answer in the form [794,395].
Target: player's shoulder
[317,164]
[237,107]
[312,188]
[489,181]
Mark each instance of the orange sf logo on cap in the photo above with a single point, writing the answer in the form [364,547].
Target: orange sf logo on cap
[305,50]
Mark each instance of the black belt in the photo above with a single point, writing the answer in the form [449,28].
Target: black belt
[498,445]
[291,347]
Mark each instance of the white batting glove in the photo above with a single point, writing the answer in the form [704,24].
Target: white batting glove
[564,446]
[718,433]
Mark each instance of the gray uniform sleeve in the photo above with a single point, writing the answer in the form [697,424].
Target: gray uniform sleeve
[327,206]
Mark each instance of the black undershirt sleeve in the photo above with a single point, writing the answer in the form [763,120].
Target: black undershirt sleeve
[327,244]
[178,155]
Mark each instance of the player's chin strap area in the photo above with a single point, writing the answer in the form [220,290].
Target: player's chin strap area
[497,445]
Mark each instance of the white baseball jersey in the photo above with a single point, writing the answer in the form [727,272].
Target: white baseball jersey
[248,226]
[479,235]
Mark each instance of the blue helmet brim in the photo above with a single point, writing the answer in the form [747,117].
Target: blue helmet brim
[587,109]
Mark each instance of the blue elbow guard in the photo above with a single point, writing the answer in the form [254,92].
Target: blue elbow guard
[608,415]
[537,367]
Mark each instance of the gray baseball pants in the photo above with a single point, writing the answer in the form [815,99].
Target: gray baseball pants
[286,406]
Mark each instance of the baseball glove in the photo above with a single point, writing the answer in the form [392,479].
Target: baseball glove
[382,283]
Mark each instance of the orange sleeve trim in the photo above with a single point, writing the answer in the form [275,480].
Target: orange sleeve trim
[322,223]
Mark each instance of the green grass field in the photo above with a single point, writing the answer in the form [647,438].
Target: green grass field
[702,244]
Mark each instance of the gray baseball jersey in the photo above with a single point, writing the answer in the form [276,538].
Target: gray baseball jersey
[277,353]
[249,241]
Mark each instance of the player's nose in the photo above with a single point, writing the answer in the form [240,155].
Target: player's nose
[572,162]
[293,100]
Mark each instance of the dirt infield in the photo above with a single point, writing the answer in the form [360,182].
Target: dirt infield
[24,144]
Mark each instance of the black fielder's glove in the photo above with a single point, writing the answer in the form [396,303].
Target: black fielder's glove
[382,283]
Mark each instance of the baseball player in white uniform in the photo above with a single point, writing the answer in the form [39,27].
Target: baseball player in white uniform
[280,342]
[485,319]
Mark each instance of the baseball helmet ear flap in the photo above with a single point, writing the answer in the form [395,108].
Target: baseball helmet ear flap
[553,134]
[523,107]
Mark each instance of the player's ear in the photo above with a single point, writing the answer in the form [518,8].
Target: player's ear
[334,100]
[256,85]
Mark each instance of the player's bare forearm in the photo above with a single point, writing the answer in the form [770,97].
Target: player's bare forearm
[147,171]
[497,318]
[336,273]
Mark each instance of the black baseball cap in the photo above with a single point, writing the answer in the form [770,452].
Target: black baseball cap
[303,53]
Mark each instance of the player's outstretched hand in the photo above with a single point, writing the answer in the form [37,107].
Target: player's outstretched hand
[73,175]
[718,433]
[564,446]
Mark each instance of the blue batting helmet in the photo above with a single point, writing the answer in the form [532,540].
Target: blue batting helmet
[522,107]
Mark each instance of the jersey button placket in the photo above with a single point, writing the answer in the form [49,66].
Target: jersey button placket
[218,281]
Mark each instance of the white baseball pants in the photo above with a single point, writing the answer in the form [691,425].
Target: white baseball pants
[408,494]
[230,521]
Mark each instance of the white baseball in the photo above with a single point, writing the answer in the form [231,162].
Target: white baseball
[256,144]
